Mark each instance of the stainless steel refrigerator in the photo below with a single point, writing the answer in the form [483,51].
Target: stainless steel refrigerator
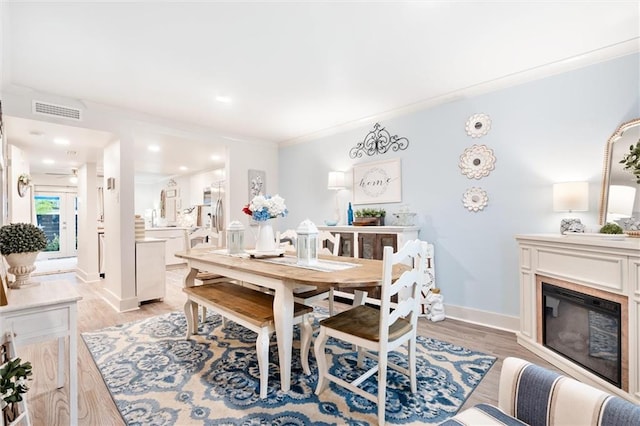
[217,210]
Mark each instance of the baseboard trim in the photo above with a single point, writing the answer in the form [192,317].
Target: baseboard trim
[120,305]
[460,313]
[484,318]
[86,277]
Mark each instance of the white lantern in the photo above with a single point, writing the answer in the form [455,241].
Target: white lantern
[307,244]
[235,237]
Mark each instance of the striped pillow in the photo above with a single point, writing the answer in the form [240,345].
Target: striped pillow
[540,397]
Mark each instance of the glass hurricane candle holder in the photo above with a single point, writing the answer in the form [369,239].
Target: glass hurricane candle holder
[235,237]
[307,244]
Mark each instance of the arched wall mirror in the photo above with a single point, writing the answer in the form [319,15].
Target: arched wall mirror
[620,196]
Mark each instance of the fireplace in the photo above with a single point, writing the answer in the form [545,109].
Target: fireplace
[600,273]
[577,322]
[583,328]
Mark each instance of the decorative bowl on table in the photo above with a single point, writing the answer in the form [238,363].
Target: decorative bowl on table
[331,222]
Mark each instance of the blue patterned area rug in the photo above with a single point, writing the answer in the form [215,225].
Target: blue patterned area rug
[157,377]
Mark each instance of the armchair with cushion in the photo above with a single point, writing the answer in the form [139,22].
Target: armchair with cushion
[532,395]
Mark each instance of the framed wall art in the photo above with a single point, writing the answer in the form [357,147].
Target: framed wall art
[257,183]
[377,182]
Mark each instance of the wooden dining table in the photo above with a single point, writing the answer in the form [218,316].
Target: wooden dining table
[283,279]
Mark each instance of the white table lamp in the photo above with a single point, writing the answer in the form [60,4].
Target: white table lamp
[570,197]
[336,182]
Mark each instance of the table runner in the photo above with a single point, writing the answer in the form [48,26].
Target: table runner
[322,265]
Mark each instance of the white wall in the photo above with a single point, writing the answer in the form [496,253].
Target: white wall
[147,196]
[545,131]
[20,208]
[243,158]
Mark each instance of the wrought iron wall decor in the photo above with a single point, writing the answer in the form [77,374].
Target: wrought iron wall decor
[378,141]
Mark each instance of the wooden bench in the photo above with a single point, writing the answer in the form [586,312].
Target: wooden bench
[252,309]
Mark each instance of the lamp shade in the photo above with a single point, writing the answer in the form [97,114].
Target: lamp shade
[336,180]
[621,199]
[571,196]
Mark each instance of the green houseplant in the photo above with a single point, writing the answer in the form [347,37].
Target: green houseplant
[631,161]
[369,217]
[20,244]
[13,383]
[611,228]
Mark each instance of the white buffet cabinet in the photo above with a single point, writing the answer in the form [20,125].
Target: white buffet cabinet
[150,269]
[174,242]
[369,241]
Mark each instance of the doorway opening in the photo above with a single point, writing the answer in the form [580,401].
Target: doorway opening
[57,215]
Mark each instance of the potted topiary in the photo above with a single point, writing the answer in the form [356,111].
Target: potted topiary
[20,244]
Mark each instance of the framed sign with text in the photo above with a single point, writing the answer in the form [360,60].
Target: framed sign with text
[377,182]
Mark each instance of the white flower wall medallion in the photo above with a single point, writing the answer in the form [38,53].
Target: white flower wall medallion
[477,162]
[475,199]
[478,125]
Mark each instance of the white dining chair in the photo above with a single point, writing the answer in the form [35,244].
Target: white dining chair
[287,240]
[376,332]
[308,295]
[206,238]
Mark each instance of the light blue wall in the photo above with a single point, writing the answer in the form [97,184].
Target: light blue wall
[545,131]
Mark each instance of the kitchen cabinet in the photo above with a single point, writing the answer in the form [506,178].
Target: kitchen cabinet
[150,269]
[175,238]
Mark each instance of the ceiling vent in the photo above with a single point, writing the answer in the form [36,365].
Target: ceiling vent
[46,108]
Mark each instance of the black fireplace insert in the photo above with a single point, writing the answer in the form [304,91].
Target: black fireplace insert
[585,329]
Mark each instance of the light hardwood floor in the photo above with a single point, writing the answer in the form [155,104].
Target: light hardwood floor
[49,406]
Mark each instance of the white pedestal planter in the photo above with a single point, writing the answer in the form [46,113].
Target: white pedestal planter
[21,265]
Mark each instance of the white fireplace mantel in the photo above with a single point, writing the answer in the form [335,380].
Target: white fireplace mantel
[597,263]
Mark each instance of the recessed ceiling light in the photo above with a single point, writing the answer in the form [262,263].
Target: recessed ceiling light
[223,99]
[73,179]
[47,161]
[153,148]
[61,141]
[215,157]
[183,168]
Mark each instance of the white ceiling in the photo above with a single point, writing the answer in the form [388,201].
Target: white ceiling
[298,69]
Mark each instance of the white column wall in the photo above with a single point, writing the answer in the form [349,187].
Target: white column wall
[87,269]
[119,283]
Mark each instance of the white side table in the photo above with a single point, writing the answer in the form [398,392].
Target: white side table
[46,311]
